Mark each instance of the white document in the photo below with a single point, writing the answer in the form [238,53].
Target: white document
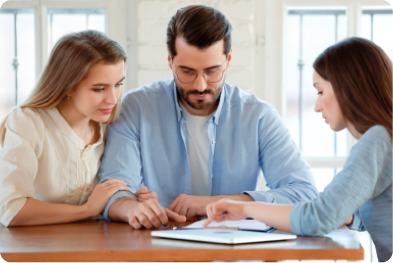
[250,225]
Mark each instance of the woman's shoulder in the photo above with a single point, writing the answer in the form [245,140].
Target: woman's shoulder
[25,121]
[19,113]
[374,146]
[376,135]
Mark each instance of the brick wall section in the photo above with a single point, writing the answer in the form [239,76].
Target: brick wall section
[153,17]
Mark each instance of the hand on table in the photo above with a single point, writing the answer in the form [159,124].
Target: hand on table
[143,195]
[225,210]
[150,214]
[191,206]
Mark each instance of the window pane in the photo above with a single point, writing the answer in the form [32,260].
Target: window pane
[323,176]
[65,21]
[7,72]
[26,55]
[25,43]
[376,22]
[309,32]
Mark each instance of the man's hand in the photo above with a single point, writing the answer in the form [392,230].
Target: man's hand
[150,214]
[193,206]
[143,195]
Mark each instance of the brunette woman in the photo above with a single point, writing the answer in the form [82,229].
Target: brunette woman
[353,80]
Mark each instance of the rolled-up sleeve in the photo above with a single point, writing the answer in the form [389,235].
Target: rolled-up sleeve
[18,162]
[113,199]
[367,168]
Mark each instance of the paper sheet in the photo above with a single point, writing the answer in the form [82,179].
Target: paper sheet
[251,225]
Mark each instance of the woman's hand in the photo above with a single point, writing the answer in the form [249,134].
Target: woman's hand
[225,210]
[143,195]
[101,194]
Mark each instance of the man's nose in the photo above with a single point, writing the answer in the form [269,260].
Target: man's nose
[200,83]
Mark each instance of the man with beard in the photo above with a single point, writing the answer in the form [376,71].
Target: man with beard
[194,139]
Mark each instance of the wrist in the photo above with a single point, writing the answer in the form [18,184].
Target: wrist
[122,209]
[246,208]
[88,211]
[349,220]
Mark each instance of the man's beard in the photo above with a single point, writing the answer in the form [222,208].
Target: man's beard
[199,104]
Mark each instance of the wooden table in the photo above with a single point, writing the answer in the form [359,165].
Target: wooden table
[98,240]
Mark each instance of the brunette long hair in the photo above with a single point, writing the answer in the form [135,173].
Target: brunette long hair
[69,63]
[361,76]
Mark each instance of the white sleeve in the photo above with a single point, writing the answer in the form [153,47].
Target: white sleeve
[19,161]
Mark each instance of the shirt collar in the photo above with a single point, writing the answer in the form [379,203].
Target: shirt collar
[215,116]
[65,128]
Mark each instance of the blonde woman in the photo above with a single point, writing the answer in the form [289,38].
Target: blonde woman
[52,144]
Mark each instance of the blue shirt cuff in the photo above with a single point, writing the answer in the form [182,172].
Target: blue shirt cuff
[357,223]
[261,196]
[114,198]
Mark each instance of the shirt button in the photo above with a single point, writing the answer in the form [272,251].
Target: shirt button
[212,176]
[213,142]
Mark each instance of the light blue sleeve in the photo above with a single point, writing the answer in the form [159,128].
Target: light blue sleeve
[121,158]
[367,168]
[357,223]
[286,172]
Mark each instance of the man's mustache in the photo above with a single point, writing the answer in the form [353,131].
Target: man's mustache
[207,91]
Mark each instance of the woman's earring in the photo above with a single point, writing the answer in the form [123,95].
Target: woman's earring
[68,96]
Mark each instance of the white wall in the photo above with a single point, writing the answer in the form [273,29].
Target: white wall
[148,54]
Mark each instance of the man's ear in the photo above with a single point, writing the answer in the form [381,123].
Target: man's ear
[229,58]
[169,60]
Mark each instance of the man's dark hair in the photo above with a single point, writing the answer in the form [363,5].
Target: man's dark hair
[201,26]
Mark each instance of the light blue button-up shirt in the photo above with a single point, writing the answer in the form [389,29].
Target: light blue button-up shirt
[148,146]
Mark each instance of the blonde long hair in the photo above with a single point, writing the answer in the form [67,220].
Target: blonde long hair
[69,63]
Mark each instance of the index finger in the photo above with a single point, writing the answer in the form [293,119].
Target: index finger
[207,223]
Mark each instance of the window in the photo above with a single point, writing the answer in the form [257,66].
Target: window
[64,21]
[17,60]
[309,30]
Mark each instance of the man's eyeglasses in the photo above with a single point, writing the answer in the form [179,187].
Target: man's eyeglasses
[187,76]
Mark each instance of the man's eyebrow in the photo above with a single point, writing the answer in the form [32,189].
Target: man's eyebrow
[106,84]
[212,67]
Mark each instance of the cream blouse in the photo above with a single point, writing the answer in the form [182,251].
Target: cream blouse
[43,158]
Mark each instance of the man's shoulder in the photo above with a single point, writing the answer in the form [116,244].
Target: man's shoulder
[152,91]
[237,96]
